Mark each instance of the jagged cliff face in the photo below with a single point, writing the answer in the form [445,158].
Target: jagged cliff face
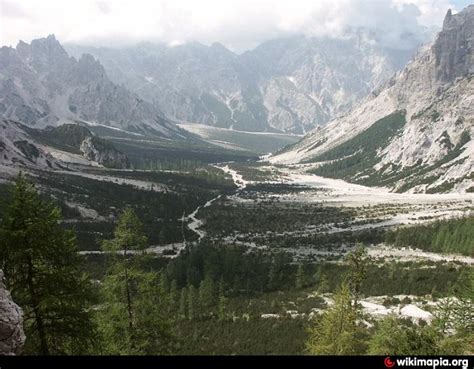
[12,337]
[431,148]
[41,84]
[289,85]
[453,47]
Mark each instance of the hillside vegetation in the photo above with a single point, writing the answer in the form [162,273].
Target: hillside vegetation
[452,236]
[359,154]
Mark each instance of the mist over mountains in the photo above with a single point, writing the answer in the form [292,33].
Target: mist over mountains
[288,85]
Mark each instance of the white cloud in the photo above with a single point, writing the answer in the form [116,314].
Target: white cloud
[239,24]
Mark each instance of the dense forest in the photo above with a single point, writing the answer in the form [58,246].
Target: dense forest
[212,299]
[448,236]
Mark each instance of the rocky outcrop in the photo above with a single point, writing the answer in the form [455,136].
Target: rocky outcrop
[55,147]
[12,337]
[102,152]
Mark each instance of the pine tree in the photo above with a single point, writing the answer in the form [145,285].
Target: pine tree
[390,338]
[358,262]
[132,319]
[191,302]
[457,315]
[323,282]
[207,292]
[45,275]
[300,281]
[164,282]
[222,308]
[336,332]
[275,272]
[463,311]
[173,298]
[183,303]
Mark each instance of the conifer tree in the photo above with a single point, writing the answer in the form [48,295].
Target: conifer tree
[222,308]
[191,302]
[173,298]
[183,303]
[300,280]
[133,317]
[389,338]
[44,272]
[322,281]
[207,292]
[336,331]
[358,262]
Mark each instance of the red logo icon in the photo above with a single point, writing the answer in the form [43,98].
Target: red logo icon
[389,363]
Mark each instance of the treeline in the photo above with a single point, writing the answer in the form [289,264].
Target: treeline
[165,164]
[448,236]
[245,272]
[201,176]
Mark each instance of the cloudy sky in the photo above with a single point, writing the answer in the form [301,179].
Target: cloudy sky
[238,24]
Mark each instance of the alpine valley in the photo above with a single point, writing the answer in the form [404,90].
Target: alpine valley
[313,195]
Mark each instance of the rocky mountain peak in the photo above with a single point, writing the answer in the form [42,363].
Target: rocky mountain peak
[47,47]
[88,69]
[453,48]
[447,19]
[46,56]
[40,84]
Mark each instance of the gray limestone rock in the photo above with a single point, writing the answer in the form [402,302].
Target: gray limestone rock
[12,337]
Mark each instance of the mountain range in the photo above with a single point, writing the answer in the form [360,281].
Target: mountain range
[410,130]
[286,85]
[40,85]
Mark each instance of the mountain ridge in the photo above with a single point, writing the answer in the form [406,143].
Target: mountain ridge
[288,85]
[40,85]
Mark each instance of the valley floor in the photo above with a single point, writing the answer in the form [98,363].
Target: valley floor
[264,190]
[272,212]
[266,186]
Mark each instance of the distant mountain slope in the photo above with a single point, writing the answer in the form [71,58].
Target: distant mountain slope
[18,149]
[55,147]
[40,84]
[414,133]
[254,142]
[287,85]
